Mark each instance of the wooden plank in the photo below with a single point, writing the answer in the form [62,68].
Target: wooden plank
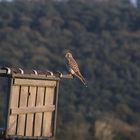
[30,117]
[47,119]
[25,110]
[23,103]
[38,116]
[31,82]
[14,103]
[34,76]
[67,76]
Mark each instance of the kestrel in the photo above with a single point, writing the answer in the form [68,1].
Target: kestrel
[73,67]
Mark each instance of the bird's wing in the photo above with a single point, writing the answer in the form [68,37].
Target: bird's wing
[73,65]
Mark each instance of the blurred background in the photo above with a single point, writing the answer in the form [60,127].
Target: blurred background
[104,37]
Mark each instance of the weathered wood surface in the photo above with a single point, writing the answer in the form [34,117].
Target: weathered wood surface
[32,107]
[22,117]
[30,110]
[47,125]
[38,116]
[30,82]
[30,116]
[14,104]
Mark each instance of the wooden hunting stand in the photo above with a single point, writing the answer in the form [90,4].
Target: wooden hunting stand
[31,108]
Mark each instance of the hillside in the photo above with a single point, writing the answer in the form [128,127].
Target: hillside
[105,40]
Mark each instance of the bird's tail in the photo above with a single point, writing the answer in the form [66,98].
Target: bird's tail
[83,80]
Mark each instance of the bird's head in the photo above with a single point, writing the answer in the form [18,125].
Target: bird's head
[68,55]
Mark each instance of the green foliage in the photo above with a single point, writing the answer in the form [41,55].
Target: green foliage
[103,37]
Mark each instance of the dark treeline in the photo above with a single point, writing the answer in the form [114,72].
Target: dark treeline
[104,38]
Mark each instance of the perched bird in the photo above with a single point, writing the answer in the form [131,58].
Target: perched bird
[73,68]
